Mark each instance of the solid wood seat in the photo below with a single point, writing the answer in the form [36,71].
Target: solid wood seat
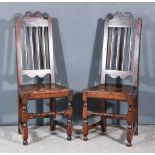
[44,91]
[111,91]
[120,59]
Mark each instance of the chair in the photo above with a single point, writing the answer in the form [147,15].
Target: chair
[120,58]
[34,55]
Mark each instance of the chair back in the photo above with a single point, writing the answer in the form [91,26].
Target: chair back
[121,46]
[34,46]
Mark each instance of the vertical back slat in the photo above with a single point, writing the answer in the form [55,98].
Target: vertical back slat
[51,54]
[44,52]
[118,48]
[37,47]
[104,51]
[25,48]
[31,47]
[130,49]
[47,48]
[108,50]
[112,46]
[124,48]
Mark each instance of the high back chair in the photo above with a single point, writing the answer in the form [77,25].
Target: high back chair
[34,53]
[120,58]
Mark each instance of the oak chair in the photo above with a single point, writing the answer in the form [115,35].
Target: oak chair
[120,58]
[35,58]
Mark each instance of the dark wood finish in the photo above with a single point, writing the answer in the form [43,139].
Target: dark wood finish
[120,58]
[103,119]
[53,109]
[36,33]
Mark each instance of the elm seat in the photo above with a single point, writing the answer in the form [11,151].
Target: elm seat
[111,91]
[53,90]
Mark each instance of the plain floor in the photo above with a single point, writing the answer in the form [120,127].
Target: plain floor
[41,139]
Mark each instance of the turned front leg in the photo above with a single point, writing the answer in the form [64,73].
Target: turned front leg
[69,114]
[85,121]
[24,121]
[131,119]
[129,135]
